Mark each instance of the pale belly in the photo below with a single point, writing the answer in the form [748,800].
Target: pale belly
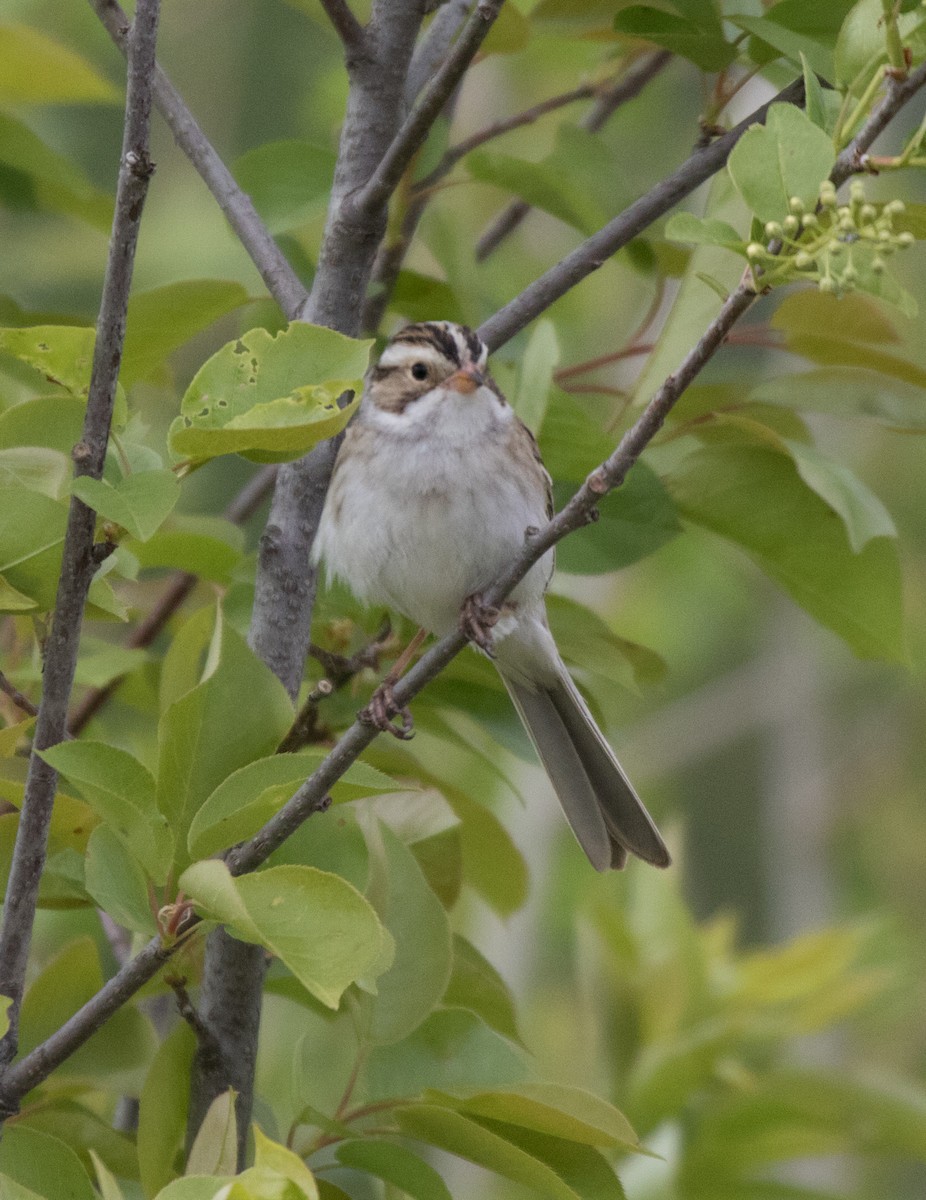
[422,530]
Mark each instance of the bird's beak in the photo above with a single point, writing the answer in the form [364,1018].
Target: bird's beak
[466,380]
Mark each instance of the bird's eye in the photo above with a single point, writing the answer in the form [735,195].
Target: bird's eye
[420,370]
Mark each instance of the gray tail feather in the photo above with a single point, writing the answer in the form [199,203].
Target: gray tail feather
[607,816]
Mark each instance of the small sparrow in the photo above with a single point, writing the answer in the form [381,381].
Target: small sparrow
[434,488]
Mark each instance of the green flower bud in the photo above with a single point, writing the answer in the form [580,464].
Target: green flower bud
[895,207]
[905,239]
[846,224]
[809,221]
[803,260]
[884,236]
[796,204]
[868,212]
[878,265]
[827,284]
[828,194]
[791,225]
[773,229]
[755,250]
[857,190]
[849,275]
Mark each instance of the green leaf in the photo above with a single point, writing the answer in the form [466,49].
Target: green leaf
[756,498]
[788,156]
[417,979]
[851,319]
[277,1174]
[105,1180]
[139,503]
[543,185]
[203,737]
[55,422]
[11,1190]
[5,1003]
[862,513]
[87,1132]
[635,521]
[270,397]
[117,883]
[418,297]
[582,1168]
[163,1108]
[795,28]
[43,180]
[535,375]
[587,641]
[470,1139]
[814,103]
[848,392]
[249,797]
[215,1147]
[31,539]
[209,547]
[289,181]
[63,354]
[122,792]
[43,1164]
[36,469]
[396,1165]
[556,1110]
[316,923]
[36,69]
[195,1187]
[702,231]
[510,33]
[163,319]
[476,985]
[453,1049]
[701,43]
[492,864]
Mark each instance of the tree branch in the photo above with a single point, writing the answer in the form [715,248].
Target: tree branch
[627,88]
[36,1066]
[380,186]
[433,47]
[79,562]
[596,250]
[345,24]
[280,279]
[22,702]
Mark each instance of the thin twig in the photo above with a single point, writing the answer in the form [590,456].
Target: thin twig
[498,128]
[345,24]
[280,279]
[79,560]
[433,47]
[628,87]
[413,132]
[596,250]
[22,702]
[36,1066]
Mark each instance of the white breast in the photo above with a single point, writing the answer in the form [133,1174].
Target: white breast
[426,507]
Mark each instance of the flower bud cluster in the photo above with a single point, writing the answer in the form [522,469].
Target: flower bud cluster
[834,245]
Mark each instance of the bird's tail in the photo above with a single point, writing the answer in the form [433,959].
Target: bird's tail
[605,813]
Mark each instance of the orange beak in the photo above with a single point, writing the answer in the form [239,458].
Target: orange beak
[466,380]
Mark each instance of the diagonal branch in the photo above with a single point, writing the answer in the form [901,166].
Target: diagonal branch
[596,250]
[433,47]
[81,557]
[382,183]
[345,24]
[36,1066]
[280,279]
[627,88]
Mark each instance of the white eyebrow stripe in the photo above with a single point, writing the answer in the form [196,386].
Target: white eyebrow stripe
[401,354]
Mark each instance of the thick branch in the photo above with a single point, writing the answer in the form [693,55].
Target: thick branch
[627,88]
[596,250]
[411,136]
[280,279]
[79,560]
[39,1064]
[346,25]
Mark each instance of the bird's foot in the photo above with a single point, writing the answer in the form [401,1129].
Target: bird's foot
[478,619]
[382,710]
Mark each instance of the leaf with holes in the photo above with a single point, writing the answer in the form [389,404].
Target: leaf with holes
[268,397]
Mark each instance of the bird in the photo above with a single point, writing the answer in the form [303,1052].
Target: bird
[435,486]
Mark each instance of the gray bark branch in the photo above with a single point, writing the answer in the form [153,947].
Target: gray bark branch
[79,561]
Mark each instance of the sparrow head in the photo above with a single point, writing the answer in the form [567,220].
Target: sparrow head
[424,357]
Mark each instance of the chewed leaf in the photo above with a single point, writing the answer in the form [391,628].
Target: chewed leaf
[270,397]
[63,354]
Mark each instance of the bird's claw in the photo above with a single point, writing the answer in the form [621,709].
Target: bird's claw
[381,711]
[477,620]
